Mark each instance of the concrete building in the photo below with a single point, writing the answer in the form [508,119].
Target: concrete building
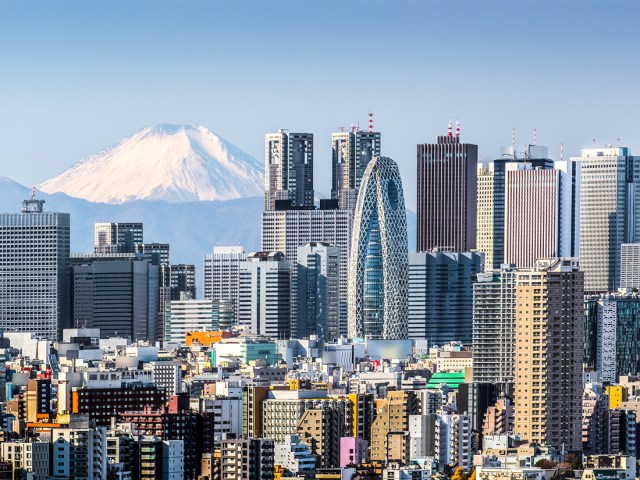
[184,316]
[494,326]
[264,306]
[222,282]
[288,169]
[440,295]
[226,416]
[422,430]
[609,213]
[318,291]
[34,271]
[549,354]
[117,237]
[453,440]
[117,293]
[390,429]
[352,152]
[630,266]
[447,194]
[378,280]
[29,458]
[285,230]
[84,449]
[524,194]
[321,429]
[166,375]
[499,418]
[236,452]
[294,456]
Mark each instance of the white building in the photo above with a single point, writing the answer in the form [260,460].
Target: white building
[172,460]
[84,449]
[184,316]
[167,375]
[453,439]
[227,416]
[294,455]
[407,472]
[222,278]
[28,458]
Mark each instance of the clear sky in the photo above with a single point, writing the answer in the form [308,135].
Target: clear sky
[76,77]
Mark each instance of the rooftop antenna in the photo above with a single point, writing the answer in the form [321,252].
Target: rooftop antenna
[341,128]
[449,129]
[594,143]
[33,193]
[535,136]
[457,128]
[561,151]
[371,121]
[513,139]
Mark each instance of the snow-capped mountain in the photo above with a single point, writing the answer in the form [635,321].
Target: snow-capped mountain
[173,163]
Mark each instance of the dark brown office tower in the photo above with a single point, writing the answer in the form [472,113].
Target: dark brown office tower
[447,194]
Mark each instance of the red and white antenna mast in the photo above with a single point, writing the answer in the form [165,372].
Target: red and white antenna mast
[535,136]
[371,121]
[449,128]
[457,128]
[513,139]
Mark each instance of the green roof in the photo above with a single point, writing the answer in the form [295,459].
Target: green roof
[452,379]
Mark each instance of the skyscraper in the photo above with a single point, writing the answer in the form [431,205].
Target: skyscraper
[221,280]
[494,326]
[117,293]
[286,230]
[440,295]
[118,237]
[34,271]
[447,194]
[318,299]
[289,169]
[549,354]
[352,152]
[609,213]
[378,260]
[526,208]
[265,295]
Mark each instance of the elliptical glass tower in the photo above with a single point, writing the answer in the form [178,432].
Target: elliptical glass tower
[378,263]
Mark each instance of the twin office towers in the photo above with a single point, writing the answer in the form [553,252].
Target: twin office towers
[361,229]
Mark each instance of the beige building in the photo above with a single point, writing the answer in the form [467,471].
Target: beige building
[388,439]
[320,429]
[549,351]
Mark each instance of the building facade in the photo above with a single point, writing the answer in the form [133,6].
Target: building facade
[447,194]
[549,353]
[34,271]
[440,292]
[609,213]
[351,153]
[494,326]
[184,316]
[264,306]
[378,279]
[318,291]
[222,281]
[288,169]
[117,237]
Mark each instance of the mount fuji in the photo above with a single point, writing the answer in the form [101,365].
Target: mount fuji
[172,163]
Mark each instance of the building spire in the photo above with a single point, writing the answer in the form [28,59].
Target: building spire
[371,121]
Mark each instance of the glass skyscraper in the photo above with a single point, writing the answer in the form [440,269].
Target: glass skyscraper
[378,261]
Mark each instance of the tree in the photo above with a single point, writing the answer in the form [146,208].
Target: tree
[459,474]
[545,464]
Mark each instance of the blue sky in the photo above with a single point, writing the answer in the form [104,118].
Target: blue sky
[76,77]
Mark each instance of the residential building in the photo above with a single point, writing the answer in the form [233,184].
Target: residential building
[318,291]
[236,452]
[288,169]
[609,213]
[378,280]
[440,295]
[352,152]
[422,430]
[549,353]
[294,456]
[494,325]
[29,458]
[264,306]
[84,449]
[390,429]
[630,266]
[166,375]
[453,440]
[34,271]
[447,194]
